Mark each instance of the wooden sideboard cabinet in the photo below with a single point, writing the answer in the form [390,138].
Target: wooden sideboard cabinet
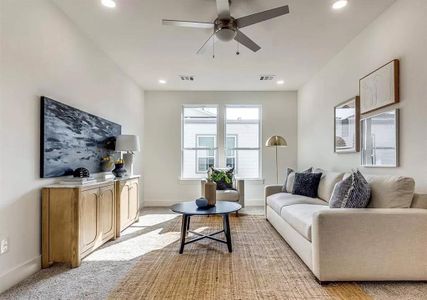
[127,203]
[76,220]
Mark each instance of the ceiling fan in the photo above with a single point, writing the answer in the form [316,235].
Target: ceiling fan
[227,28]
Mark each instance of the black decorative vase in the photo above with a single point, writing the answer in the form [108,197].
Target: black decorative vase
[119,171]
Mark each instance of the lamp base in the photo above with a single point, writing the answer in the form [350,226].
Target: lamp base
[128,163]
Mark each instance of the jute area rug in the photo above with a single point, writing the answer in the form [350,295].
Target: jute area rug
[262,266]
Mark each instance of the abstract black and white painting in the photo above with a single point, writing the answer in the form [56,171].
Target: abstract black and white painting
[71,138]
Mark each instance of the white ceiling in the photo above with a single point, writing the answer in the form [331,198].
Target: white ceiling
[294,47]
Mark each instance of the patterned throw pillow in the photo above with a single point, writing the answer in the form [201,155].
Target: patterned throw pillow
[223,178]
[288,185]
[352,192]
[306,184]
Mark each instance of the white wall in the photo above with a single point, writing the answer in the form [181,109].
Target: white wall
[42,53]
[400,32]
[162,134]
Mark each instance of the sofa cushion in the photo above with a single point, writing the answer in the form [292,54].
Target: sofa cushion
[300,217]
[327,183]
[419,201]
[227,195]
[280,200]
[391,191]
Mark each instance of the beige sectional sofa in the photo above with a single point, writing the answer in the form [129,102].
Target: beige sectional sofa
[386,241]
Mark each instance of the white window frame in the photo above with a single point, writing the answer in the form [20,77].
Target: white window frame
[221,134]
[183,149]
[259,148]
[197,156]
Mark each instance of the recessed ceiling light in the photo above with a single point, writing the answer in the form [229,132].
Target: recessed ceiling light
[339,4]
[280,82]
[162,81]
[108,3]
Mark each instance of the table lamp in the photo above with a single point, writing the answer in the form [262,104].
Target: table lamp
[276,141]
[127,143]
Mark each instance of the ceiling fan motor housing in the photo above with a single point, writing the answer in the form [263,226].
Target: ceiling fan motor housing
[225,29]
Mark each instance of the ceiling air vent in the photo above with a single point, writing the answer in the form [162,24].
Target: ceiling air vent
[186,77]
[266,77]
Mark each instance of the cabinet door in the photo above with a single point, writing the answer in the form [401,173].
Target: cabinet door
[133,200]
[88,219]
[106,212]
[124,205]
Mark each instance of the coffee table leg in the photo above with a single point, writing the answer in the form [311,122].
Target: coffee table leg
[227,232]
[183,233]
[188,225]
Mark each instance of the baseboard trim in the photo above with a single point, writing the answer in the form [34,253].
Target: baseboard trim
[19,273]
[165,203]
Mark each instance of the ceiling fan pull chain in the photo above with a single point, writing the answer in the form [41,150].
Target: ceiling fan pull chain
[238,48]
[213,47]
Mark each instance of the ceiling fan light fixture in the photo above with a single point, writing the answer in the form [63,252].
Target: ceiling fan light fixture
[109,3]
[226,34]
[339,4]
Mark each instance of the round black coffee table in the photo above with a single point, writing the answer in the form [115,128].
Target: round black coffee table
[188,209]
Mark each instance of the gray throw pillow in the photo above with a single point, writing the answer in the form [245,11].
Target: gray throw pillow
[306,184]
[352,192]
[288,185]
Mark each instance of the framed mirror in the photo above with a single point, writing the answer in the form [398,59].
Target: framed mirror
[380,140]
[347,117]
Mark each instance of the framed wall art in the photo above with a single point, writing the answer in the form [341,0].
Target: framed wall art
[71,138]
[379,88]
[346,124]
[380,140]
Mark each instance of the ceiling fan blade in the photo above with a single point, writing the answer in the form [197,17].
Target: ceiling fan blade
[246,41]
[223,8]
[262,16]
[192,24]
[204,44]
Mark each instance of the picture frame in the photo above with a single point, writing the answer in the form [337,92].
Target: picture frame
[380,139]
[380,88]
[346,126]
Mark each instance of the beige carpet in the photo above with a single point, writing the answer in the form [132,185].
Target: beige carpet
[262,266]
[144,264]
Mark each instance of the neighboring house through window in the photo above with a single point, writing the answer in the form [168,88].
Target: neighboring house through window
[205,158]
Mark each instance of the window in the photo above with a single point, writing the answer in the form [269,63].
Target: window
[242,131]
[238,140]
[199,132]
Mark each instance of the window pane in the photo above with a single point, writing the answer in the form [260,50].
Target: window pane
[230,162]
[243,113]
[248,164]
[243,131]
[195,163]
[198,121]
[243,122]
[230,144]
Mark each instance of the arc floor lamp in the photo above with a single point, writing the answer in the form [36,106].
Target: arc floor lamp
[276,141]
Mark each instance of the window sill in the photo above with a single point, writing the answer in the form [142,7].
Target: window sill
[194,180]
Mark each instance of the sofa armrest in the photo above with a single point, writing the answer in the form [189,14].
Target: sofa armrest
[272,189]
[268,191]
[202,187]
[240,187]
[370,244]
